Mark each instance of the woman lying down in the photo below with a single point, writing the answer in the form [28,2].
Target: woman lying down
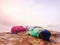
[35,31]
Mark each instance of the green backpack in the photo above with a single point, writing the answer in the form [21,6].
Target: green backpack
[35,31]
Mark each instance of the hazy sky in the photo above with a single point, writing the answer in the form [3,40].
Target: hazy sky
[29,12]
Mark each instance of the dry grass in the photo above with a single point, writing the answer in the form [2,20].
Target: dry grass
[23,38]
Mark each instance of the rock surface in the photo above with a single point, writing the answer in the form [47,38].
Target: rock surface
[23,38]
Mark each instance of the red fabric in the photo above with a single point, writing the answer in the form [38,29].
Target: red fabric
[17,29]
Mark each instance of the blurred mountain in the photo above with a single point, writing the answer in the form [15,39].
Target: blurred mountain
[53,27]
[4,28]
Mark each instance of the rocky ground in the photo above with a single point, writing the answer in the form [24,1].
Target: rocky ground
[23,38]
